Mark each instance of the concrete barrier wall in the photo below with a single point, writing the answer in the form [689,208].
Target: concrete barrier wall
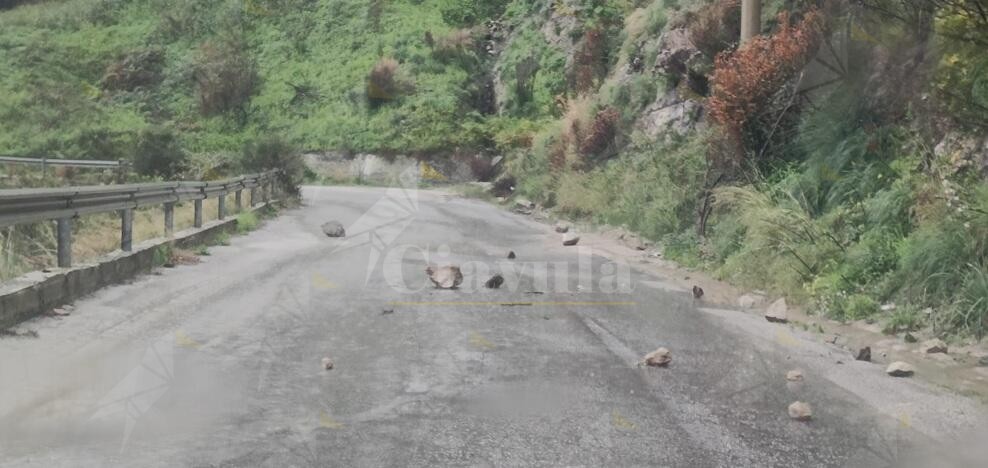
[39,292]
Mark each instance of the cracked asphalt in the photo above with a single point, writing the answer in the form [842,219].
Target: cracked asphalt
[219,364]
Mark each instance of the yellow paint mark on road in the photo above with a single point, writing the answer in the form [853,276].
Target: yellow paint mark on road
[479,341]
[786,339]
[185,341]
[327,421]
[620,422]
[905,420]
[320,282]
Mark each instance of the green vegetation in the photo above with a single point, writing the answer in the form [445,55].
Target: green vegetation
[162,255]
[247,221]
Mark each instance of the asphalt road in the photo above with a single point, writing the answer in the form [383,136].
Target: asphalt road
[219,364]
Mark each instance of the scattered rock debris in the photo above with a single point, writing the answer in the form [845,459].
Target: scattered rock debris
[387,311]
[446,277]
[800,411]
[749,301]
[909,338]
[495,282]
[327,363]
[778,312]
[900,369]
[60,312]
[334,229]
[659,358]
[181,257]
[983,362]
[570,239]
[562,228]
[794,375]
[697,292]
[934,346]
[864,354]
[511,255]
[524,206]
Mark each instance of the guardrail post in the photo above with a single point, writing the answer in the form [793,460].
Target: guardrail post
[127,229]
[64,232]
[239,200]
[169,219]
[198,215]
[221,210]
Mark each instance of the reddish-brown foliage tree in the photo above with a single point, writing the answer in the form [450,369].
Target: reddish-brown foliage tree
[588,61]
[226,77]
[744,81]
[716,27]
[601,133]
[383,82]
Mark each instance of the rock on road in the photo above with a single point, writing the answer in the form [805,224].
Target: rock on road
[219,364]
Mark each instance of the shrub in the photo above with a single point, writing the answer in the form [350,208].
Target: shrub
[601,133]
[458,44]
[246,222]
[860,307]
[716,27]
[905,319]
[745,81]
[139,69]
[159,153]
[384,83]
[589,61]
[971,313]
[470,12]
[226,77]
[274,153]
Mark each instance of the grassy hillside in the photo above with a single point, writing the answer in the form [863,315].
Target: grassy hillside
[90,78]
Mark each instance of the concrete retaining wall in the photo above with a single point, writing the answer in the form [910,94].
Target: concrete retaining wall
[39,292]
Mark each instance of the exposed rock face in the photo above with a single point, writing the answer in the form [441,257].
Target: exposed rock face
[334,229]
[964,152]
[671,114]
[389,170]
[675,51]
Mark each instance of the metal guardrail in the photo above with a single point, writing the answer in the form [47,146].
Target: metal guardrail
[44,162]
[22,206]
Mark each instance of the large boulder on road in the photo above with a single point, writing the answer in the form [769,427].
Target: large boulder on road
[446,277]
[334,229]
[778,312]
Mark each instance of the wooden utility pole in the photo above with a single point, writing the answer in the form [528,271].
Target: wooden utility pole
[751,19]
